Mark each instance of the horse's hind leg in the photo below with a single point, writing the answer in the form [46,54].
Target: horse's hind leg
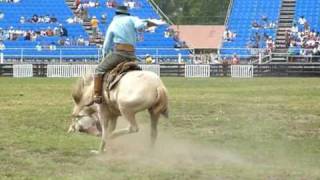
[154,126]
[132,128]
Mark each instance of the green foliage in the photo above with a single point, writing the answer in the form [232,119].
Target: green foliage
[219,128]
[195,11]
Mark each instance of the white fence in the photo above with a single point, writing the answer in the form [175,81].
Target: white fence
[22,70]
[197,71]
[151,67]
[79,70]
[242,71]
[69,70]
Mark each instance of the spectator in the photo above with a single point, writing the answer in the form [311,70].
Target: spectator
[111,4]
[235,59]
[294,30]
[148,59]
[82,10]
[269,44]
[38,47]
[76,3]
[63,31]
[302,20]
[52,46]
[131,4]
[228,35]
[103,19]
[1,15]
[49,32]
[34,18]
[74,19]
[53,19]
[255,25]
[80,41]
[46,19]
[22,20]
[2,46]
[94,26]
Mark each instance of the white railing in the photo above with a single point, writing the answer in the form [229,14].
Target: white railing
[228,13]
[87,54]
[22,70]
[69,70]
[197,71]
[151,67]
[242,71]
[76,70]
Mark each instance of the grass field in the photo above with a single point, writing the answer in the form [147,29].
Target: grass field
[263,128]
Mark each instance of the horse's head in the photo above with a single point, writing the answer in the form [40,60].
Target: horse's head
[84,116]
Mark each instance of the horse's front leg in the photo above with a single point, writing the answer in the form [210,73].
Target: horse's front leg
[103,118]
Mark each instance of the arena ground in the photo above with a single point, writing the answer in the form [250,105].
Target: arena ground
[219,128]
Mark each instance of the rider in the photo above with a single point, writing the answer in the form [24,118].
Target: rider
[118,45]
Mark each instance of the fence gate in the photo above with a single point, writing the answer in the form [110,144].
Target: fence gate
[22,70]
[151,67]
[69,70]
[197,71]
[242,71]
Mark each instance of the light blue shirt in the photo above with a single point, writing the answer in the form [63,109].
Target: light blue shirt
[123,29]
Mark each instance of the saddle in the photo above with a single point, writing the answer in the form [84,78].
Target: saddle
[113,77]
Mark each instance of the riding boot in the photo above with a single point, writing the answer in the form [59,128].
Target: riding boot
[97,97]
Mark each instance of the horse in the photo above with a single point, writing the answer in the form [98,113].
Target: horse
[136,91]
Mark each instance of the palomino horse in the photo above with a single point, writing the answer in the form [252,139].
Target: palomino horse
[135,92]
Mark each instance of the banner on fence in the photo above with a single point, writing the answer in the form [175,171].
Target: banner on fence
[197,71]
[70,70]
[242,71]
[22,70]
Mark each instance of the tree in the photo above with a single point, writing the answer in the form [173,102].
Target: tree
[195,11]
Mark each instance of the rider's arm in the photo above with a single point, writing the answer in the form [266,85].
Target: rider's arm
[107,44]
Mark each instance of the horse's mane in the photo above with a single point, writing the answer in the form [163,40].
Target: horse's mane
[82,82]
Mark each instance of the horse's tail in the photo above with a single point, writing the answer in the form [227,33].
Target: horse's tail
[161,106]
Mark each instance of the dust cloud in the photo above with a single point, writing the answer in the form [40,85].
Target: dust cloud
[168,151]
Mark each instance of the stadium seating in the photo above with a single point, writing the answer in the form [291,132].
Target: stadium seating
[243,13]
[310,9]
[59,8]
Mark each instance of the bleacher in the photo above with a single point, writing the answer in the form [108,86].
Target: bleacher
[243,13]
[310,9]
[58,8]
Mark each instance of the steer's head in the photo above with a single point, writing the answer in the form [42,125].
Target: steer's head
[84,115]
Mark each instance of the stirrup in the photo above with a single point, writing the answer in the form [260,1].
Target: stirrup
[98,99]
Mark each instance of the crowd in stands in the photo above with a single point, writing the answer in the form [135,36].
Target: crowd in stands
[260,37]
[39,19]
[15,34]
[263,23]
[301,40]
[9,1]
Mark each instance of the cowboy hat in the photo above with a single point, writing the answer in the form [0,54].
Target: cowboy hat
[122,10]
